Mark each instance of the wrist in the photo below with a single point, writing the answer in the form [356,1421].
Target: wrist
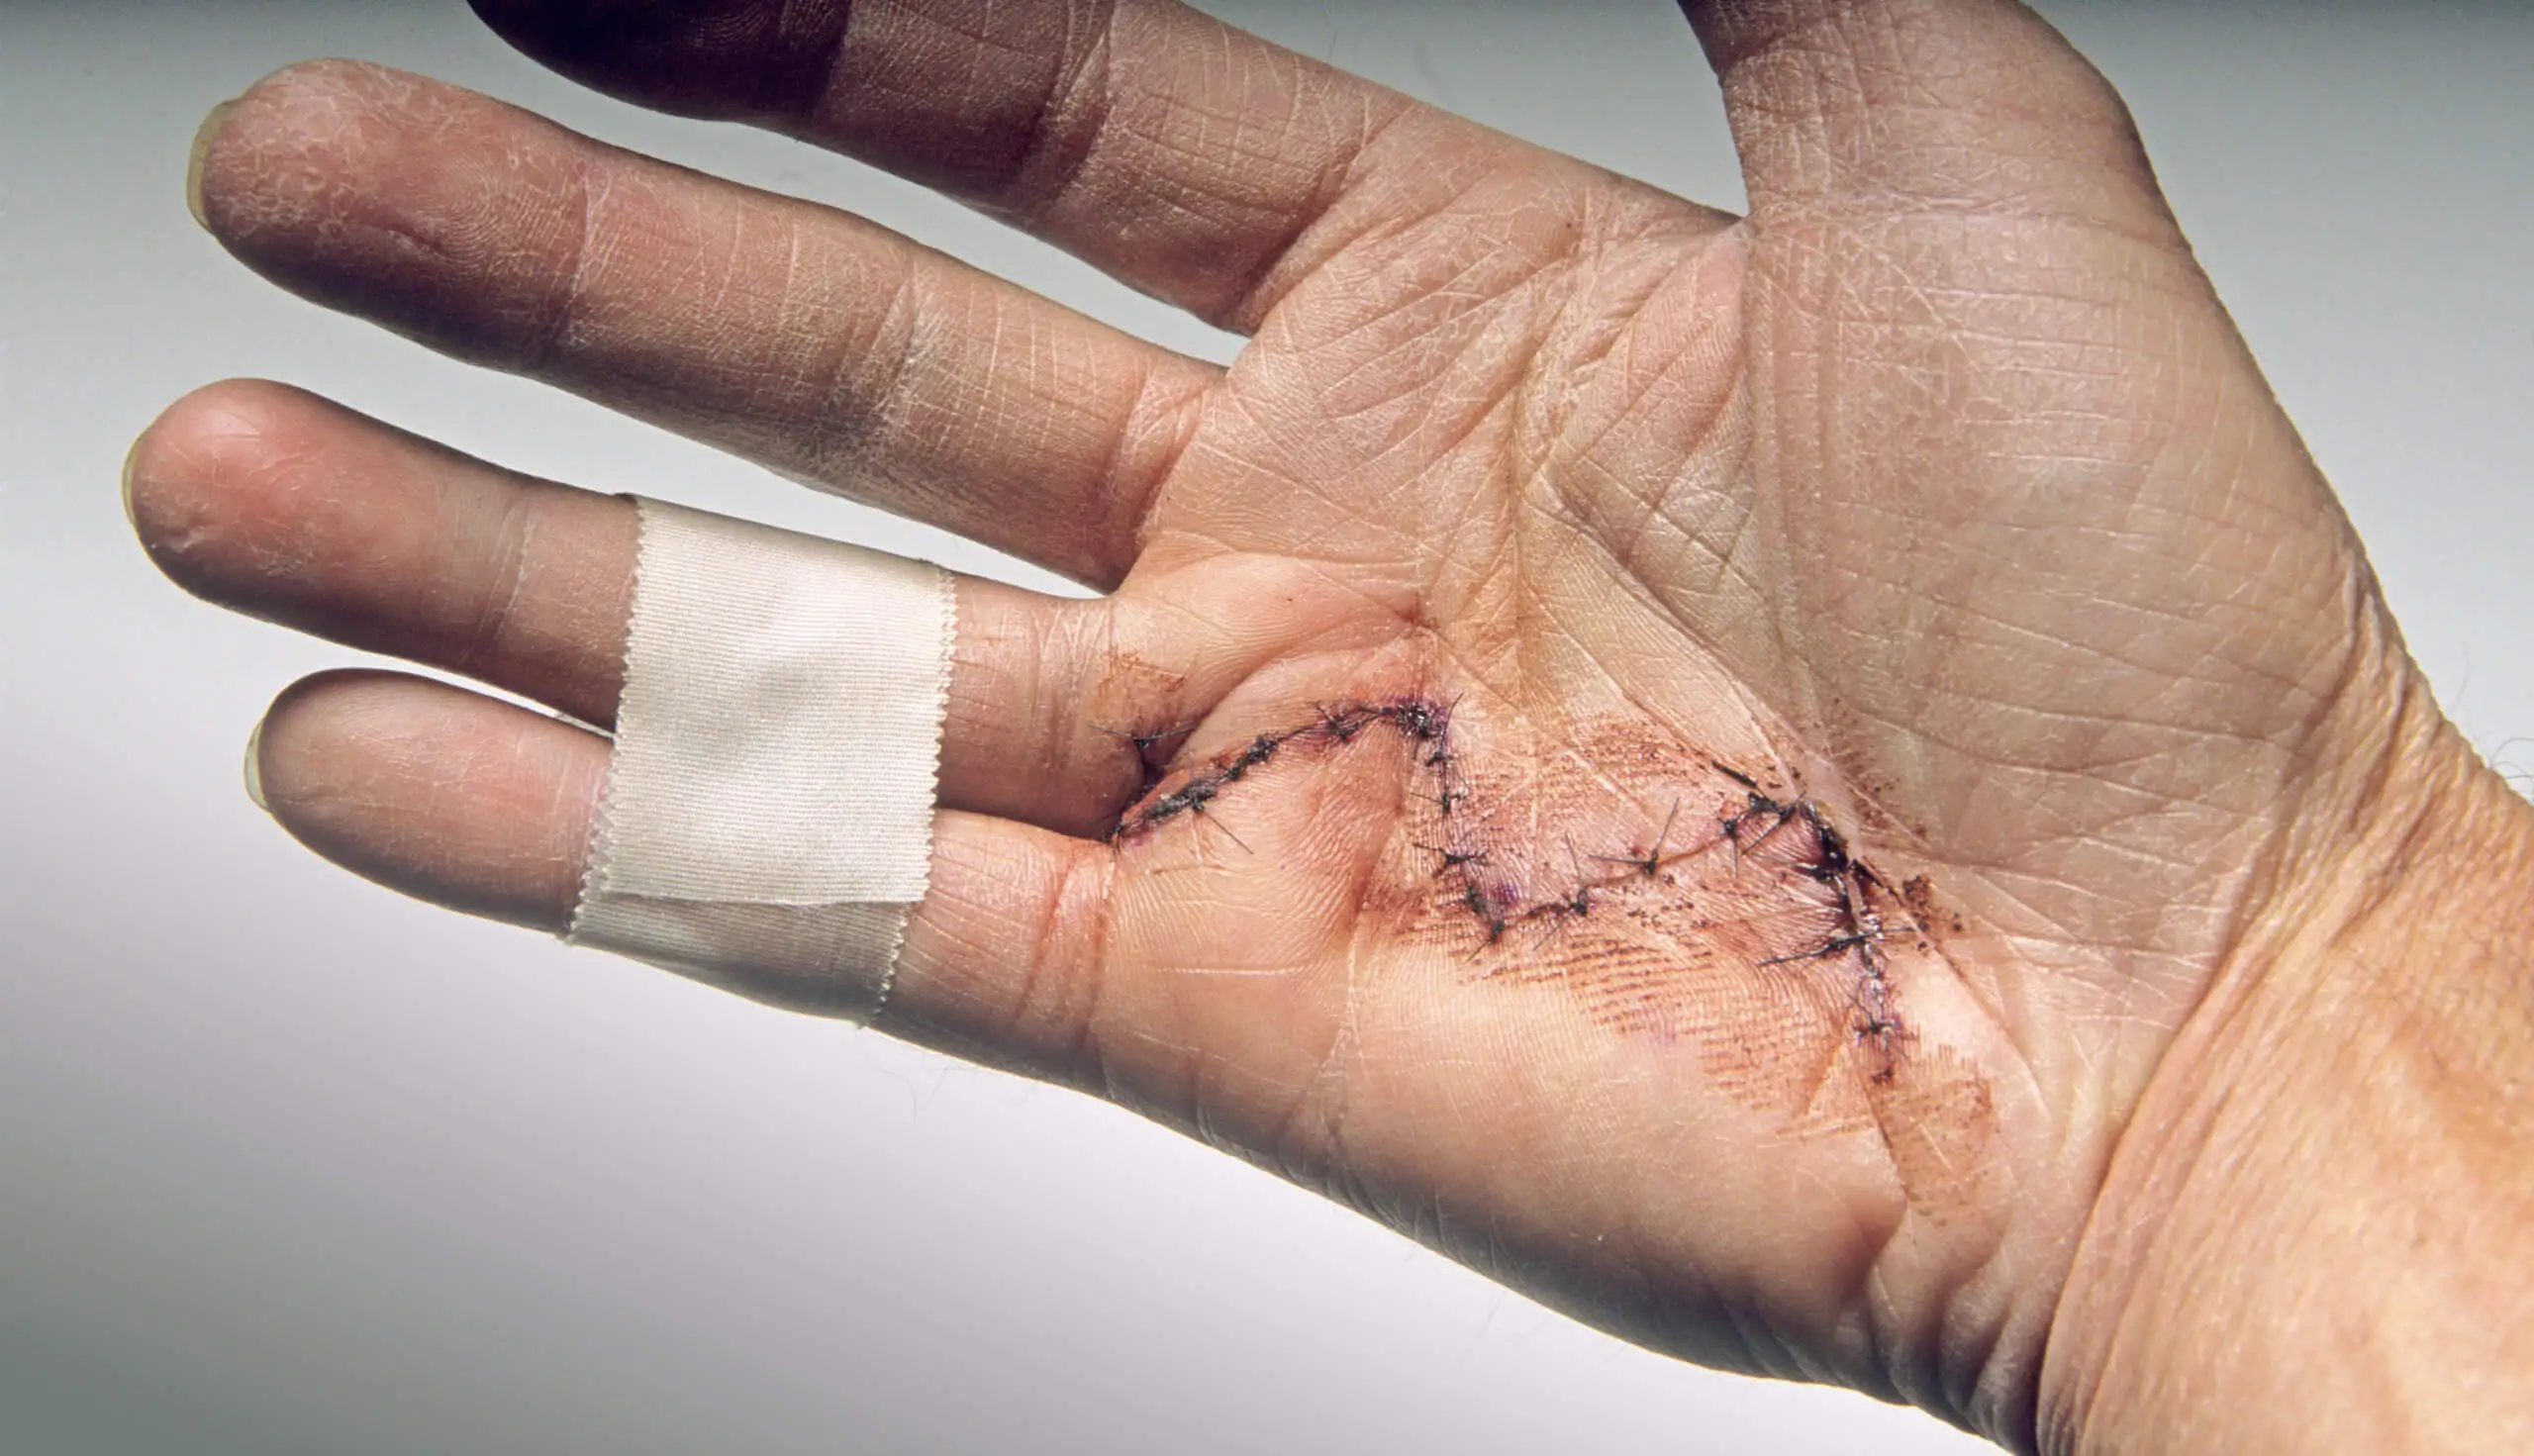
[2293,1247]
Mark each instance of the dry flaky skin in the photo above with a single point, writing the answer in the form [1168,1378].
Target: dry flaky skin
[1819,790]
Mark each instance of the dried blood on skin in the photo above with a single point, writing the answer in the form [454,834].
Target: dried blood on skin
[1736,920]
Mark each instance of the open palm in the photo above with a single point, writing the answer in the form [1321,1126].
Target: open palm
[1696,766]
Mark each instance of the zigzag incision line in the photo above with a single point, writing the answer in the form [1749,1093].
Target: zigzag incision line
[1496,910]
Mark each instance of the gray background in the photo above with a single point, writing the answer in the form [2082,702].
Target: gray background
[289,1164]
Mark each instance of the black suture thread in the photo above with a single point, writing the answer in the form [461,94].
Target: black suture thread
[1876,1021]
[1145,740]
[1421,720]
[1843,941]
[1830,864]
[1226,830]
[1192,798]
[1491,917]
[1148,771]
[1651,863]
[1860,928]
[1579,904]
[1498,910]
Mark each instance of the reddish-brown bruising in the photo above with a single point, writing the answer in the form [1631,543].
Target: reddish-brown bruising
[1735,922]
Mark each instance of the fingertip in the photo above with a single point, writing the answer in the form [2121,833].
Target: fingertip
[453,797]
[327,176]
[256,767]
[199,476]
[280,757]
[204,136]
[235,143]
[292,724]
[131,461]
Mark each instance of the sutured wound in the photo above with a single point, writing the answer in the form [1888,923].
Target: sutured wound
[1849,900]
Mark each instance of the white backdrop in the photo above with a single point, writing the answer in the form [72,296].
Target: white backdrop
[289,1164]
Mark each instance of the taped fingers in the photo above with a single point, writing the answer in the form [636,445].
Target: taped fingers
[823,347]
[769,800]
[277,503]
[766,810]
[764,816]
[486,808]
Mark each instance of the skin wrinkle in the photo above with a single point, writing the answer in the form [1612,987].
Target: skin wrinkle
[2011,628]
[2271,868]
[1325,231]
[1310,1154]
[1078,894]
[1927,736]
[1175,420]
[502,602]
[550,338]
[2285,683]
[1419,297]
[853,425]
[1076,681]
[790,282]
[1576,452]
[1085,156]
[1521,369]
[2128,720]
[1873,155]
[1420,383]
[561,336]
[1390,231]
[1254,164]
[1930,737]
[1071,112]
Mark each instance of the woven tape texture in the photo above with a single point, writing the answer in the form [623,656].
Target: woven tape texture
[767,820]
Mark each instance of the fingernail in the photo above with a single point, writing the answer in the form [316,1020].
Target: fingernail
[254,773]
[193,163]
[131,460]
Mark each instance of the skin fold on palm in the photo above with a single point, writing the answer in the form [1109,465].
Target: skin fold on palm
[1699,765]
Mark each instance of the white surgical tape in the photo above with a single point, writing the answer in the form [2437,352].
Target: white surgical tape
[767,819]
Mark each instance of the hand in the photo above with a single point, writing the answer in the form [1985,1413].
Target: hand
[1766,751]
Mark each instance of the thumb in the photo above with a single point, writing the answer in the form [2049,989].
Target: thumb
[1913,105]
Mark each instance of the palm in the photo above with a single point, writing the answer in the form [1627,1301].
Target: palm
[1697,768]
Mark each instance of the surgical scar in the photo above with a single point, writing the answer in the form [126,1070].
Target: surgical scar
[1735,919]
